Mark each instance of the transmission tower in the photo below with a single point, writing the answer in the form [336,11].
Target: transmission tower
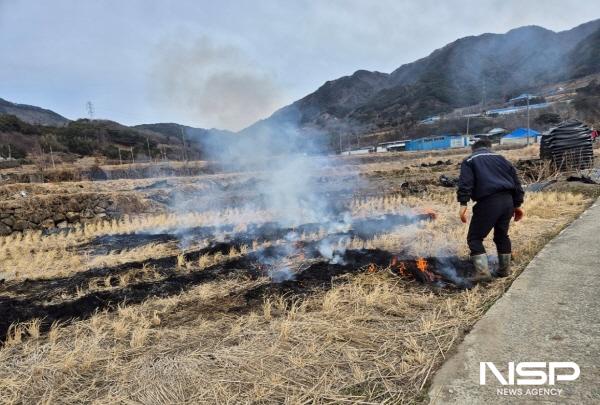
[90,109]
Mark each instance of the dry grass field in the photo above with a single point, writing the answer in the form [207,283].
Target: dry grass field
[182,307]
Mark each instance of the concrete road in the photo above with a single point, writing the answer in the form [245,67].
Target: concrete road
[550,314]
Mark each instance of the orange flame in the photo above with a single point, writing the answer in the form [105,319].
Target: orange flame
[371,268]
[397,264]
[421,264]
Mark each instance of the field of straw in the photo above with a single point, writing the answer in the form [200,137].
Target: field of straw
[370,337]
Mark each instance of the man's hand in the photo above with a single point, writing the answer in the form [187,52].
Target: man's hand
[462,213]
[519,214]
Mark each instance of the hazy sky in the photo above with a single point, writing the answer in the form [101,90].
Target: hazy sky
[227,63]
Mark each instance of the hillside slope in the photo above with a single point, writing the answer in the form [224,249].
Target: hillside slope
[464,72]
[102,138]
[32,114]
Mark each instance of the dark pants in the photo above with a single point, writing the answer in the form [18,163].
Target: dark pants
[494,211]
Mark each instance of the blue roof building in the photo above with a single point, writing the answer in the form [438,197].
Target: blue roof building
[520,137]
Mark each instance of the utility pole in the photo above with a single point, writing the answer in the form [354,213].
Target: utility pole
[484,96]
[42,162]
[131,151]
[9,153]
[149,154]
[183,142]
[468,120]
[52,157]
[528,131]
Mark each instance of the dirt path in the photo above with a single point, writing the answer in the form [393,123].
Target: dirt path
[550,314]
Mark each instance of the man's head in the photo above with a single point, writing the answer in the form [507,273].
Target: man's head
[481,143]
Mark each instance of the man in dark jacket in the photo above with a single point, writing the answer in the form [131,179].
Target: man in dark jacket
[492,182]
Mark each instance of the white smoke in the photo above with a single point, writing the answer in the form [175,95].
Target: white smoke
[211,83]
[333,250]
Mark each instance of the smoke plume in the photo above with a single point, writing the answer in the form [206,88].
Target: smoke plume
[213,84]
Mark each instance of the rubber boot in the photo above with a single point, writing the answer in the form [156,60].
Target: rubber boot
[482,271]
[503,265]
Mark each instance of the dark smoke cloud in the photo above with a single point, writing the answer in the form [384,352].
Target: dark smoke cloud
[212,84]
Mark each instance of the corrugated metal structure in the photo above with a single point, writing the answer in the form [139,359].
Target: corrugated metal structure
[569,146]
[438,142]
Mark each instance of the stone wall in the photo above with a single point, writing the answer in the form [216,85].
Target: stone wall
[61,211]
[102,173]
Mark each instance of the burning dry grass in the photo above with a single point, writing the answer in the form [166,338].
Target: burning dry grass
[371,338]
[33,254]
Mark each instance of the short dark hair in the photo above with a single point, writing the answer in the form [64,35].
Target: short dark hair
[481,143]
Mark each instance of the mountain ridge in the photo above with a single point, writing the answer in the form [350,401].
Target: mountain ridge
[461,73]
[465,72]
[32,114]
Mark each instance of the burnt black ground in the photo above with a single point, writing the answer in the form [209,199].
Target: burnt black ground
[362,228]
[62,299]
[56,300]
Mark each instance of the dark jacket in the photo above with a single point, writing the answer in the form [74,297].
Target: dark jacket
[485,173]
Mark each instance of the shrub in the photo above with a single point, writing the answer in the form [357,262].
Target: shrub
[11,123]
